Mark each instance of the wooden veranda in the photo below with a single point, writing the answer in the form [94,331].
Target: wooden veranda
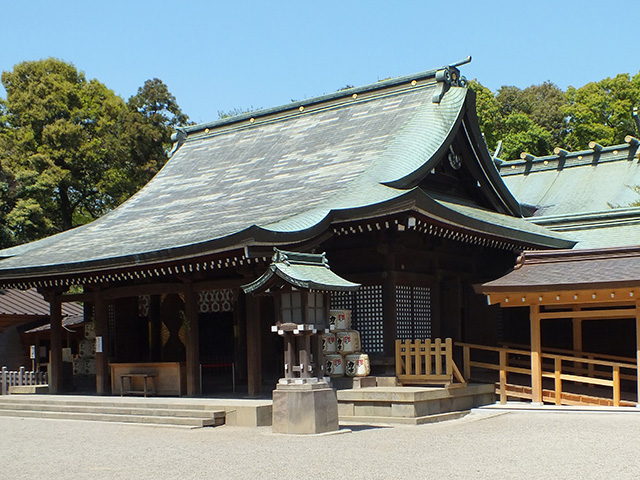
[583,286]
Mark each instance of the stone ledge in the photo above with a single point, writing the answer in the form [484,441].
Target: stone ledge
[28,389]
[440,417]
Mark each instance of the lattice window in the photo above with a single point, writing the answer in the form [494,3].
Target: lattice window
[111,322]
[366,314]
[413,312]
[404,312]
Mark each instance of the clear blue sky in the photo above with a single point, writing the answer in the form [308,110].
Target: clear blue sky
[219,55]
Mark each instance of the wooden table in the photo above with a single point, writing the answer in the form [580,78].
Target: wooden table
[169,378]
[144,377]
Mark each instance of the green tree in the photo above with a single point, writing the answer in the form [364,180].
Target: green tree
[524,120]
[143,139]
[522,134]
[543,104]
[56,120]
[602,111]
[490,115]
[71,150]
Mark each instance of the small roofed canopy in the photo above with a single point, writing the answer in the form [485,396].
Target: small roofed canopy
[565,277]
[302,270]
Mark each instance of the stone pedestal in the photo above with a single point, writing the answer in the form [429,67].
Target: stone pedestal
[304,406]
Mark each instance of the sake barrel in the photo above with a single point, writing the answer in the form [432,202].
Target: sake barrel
[90,366]
[86,348]
[347,341]
[339,319]
[334,365]
[357,365]
[90,331]
[329,342]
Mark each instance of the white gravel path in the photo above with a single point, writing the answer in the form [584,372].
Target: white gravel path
[514,445]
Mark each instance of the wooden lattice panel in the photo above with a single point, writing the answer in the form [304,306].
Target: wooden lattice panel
[366,314]
[413,314]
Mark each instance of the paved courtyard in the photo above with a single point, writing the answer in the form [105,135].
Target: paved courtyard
[513,445]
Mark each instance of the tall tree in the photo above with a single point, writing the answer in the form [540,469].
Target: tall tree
[71,150]
[602,111]
[528,120]
[57,121]
[144,139]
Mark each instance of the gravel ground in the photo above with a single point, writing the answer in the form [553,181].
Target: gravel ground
[513,445]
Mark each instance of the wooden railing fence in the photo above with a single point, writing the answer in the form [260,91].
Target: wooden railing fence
[20,378]
[578,369]
[421,362]
[582,368]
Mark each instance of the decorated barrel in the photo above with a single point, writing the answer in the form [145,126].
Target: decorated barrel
[329,342]
[86,348]
[334,365]
[339,319]
[357,365]
[84,366]
[90,331]
[347,341]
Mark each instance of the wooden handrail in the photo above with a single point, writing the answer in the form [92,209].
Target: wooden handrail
[494,349]
[575,353]
[557,373]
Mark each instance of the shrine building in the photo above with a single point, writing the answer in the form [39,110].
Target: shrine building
[392,181]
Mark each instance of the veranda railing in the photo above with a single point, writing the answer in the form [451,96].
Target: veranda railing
[583,369]
[20,378]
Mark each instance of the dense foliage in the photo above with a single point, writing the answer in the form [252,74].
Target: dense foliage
[540,117]
[71,149]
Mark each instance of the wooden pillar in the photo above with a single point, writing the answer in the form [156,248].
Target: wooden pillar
[155,330]
[577,334]
[101,316]
[193,341]
[536,355]
[55,354]
[254,347]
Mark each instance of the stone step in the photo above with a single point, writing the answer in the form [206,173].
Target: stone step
[411,405]
[159,402]
[215,420]
[108,409]
[237,412]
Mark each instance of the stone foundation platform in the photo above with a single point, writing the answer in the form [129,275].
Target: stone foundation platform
[411,405]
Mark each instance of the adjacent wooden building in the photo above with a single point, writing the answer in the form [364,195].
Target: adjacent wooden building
[581,303]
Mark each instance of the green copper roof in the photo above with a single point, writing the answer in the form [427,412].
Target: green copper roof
[580,182]
[302,270]
[589,196]
[282,176]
